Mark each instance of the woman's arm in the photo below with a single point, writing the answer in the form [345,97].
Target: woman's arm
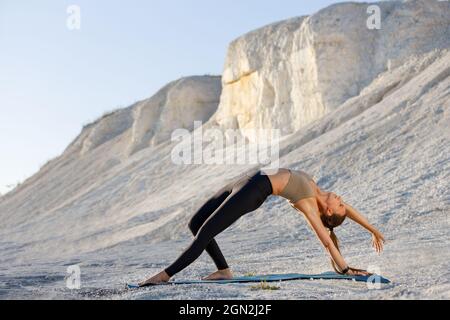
[316,224]
[312,215]
[377,236]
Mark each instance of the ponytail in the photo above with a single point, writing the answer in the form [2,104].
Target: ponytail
[336,244]
[331,222]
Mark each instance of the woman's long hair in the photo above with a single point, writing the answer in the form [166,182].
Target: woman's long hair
[332,222]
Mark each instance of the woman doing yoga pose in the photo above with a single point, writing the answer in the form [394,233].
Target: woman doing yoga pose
[323,210]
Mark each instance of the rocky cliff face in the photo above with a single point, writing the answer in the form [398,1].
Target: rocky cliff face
[293,72]
[176,106]
[150,122]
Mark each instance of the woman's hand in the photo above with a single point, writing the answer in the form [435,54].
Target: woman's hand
[377,241]
[357,272]
[378,238]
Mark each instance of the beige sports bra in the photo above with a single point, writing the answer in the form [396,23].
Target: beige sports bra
[298,187]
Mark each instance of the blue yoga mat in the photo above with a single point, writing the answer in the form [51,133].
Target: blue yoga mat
[279,277]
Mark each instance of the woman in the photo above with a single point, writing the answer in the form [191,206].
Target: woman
[323,210]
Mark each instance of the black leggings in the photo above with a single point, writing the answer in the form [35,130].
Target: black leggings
[245,195]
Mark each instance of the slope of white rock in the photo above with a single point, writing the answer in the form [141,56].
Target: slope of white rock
[152,121]
[176,106]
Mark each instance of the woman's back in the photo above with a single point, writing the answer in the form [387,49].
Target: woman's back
[298,186]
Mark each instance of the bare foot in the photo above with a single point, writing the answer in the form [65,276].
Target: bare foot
[220,275]
[160,278]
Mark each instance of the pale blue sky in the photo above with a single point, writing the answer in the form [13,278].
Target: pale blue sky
[54,80]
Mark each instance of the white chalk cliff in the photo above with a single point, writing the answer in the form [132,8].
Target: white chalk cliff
[149,122]
[365,111]
[293,72]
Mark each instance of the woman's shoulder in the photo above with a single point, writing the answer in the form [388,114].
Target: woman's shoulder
[306,206]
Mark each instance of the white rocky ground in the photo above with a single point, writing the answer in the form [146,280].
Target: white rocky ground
[119,209]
